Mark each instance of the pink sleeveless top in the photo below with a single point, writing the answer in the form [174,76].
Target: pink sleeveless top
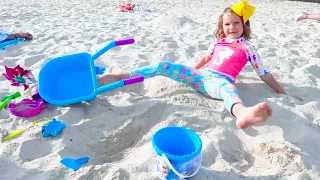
[229,58]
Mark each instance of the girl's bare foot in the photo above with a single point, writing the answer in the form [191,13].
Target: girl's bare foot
[302,16]
[247,116]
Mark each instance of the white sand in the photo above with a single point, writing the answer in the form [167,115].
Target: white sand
[115,130]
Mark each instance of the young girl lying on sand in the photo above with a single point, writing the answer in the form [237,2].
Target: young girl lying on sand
[215,73]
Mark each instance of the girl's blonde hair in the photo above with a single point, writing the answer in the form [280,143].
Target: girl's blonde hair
[219,34]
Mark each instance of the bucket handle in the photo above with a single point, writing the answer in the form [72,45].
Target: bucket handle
[111,45]
[176,172]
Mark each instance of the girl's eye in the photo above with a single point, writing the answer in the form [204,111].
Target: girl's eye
[227,24]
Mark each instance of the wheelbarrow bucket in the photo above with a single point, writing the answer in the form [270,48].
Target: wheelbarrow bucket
[72,78]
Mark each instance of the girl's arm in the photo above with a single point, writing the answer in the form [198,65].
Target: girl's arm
[264,72]
[204,60]
[272,83]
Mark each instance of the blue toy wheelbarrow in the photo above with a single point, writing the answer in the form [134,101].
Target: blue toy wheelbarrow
[72,78]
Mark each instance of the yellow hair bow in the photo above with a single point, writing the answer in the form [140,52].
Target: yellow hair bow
[244,10]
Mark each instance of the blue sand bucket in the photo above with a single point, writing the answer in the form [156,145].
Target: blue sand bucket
[72,78]
[178,152]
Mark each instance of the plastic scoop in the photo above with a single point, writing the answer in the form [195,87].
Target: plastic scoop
[74,164]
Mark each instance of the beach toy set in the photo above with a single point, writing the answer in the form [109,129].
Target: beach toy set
[72,79]
[62,81]
[178,152]
[28,104]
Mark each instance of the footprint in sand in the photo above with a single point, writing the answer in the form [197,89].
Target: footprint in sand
[317,53]
[237,156]
[3,134]
[117,173]
[209,155]
[145,56]
[169,56]
[172,21]
[106,172]
[314,70]
[141,64]
[316,121]
[281,155]
[106,148]
[169,45]
[190,51]
[119,141]
[64,38]
[202,47]
[34,149]
[295,52]
[34,59]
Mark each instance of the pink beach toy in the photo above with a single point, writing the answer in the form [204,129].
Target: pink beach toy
[27,107]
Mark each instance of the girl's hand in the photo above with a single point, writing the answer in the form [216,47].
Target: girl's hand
[272,83]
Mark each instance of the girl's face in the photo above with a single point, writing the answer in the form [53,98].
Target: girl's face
[232,25]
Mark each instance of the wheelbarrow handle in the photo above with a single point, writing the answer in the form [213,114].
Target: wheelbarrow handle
[133,80]
[124,41]
[111,45]
[120,84]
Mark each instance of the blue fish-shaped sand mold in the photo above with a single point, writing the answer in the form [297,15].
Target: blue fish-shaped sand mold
[53,128]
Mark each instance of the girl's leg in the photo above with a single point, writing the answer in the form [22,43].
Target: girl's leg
[218,88]
[246,116]
[177,72]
